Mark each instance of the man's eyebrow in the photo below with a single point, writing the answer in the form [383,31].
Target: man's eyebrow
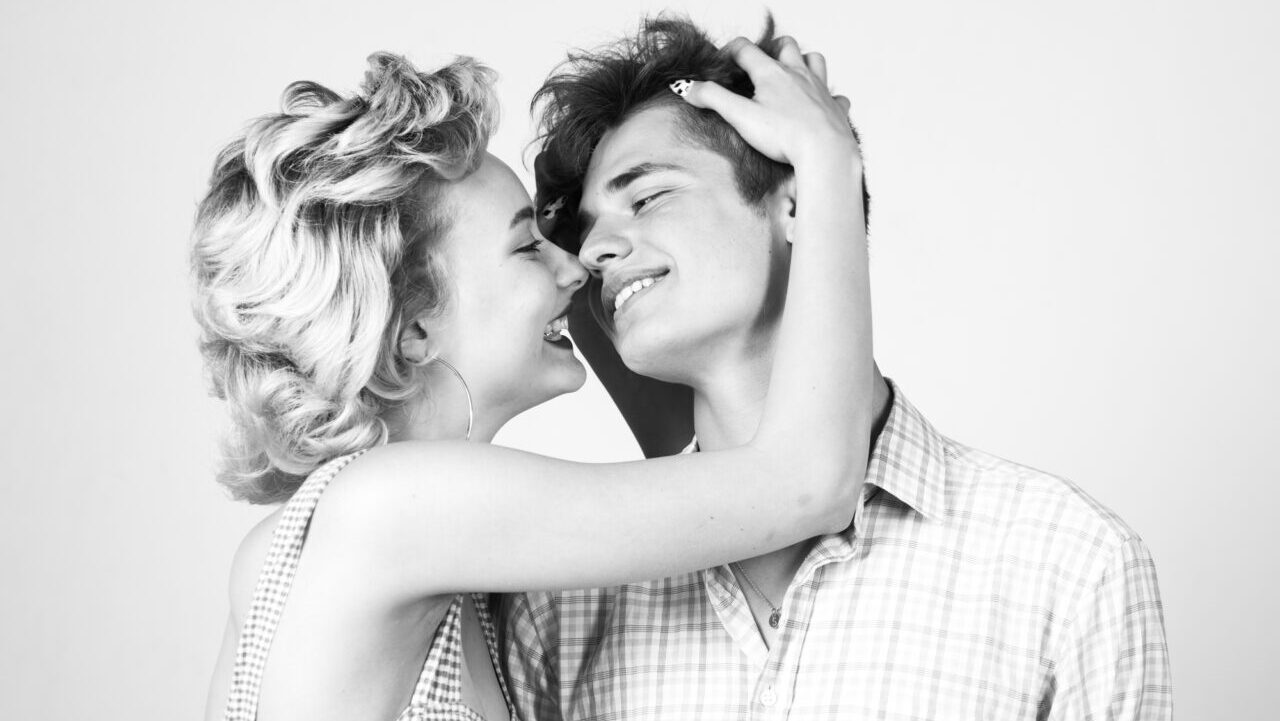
[635,172]
[525,213]
[586,219]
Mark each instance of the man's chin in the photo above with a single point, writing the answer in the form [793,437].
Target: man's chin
[660,361]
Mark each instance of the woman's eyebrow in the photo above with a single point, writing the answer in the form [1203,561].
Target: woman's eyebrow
[525,213]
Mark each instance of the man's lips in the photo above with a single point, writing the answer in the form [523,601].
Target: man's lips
[619,290]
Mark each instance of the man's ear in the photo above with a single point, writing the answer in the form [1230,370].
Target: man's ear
[782,207]
[414,341]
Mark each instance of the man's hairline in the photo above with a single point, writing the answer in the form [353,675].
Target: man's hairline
[683,120]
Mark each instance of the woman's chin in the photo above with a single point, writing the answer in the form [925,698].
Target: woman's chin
[571,377]
[563,376]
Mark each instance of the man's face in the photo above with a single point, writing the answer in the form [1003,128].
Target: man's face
[689,273]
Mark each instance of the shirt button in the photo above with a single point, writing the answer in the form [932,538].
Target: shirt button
[768,697]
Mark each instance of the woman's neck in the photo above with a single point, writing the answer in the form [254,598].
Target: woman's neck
[441,412]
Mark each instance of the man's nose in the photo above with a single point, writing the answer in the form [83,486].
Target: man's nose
[602,247]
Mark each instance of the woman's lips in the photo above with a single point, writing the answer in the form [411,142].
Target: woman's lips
[556,328]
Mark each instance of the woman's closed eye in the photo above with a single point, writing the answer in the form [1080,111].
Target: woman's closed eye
[532,248]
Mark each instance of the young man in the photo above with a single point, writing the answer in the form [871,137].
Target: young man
[966,586]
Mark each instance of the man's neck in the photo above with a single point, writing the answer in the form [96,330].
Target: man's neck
[728,404]
[726,413]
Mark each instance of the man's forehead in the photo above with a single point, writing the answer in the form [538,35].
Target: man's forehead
[649,136]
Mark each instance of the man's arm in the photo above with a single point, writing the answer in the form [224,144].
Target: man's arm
[1115,663]
[529,654]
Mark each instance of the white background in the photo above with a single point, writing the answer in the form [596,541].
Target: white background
[1074,238]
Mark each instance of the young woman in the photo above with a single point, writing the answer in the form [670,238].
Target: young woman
[373,294]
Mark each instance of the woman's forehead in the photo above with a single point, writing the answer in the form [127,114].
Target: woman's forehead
[491,195]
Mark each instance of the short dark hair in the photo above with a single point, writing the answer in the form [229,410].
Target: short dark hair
[595,91]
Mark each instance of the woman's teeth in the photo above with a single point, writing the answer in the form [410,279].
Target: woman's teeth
[555,328]
[625,294]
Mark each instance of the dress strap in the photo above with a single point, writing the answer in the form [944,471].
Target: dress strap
[491,640]
[272,591]
[438,694]
[440,682]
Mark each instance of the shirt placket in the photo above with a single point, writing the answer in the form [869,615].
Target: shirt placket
[773,686]
[735,615]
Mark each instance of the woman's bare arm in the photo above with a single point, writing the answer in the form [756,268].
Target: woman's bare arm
[245,567]
[447,517]
[220,686]
[444,517]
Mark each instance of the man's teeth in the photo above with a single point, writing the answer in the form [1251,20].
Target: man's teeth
[555,328]
[625,294]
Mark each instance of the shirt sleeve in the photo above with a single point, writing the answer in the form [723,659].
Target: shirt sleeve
[1115,663]
[529,653]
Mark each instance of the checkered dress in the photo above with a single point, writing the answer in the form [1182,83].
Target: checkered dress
[438,693]
[967,587]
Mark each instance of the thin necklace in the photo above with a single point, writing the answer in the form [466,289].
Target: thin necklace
[775,612]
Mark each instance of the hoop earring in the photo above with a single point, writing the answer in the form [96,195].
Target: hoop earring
[471,409]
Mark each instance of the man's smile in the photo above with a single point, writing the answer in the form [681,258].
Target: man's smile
[619,290]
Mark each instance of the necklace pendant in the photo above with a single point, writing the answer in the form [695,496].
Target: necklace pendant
[775,617]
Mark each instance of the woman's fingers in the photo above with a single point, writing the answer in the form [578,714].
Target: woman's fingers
[749,57]
[792,111]
[817,65]
[758,124]
[789,52]
[706,94]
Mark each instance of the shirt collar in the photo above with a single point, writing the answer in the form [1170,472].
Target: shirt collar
[908,461]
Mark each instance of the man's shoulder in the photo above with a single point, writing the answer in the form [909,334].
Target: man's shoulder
[985,492]
[1035,506]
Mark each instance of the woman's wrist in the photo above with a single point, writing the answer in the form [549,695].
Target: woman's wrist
[834,156]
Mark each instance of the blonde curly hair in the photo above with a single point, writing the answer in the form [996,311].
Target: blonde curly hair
[312,244]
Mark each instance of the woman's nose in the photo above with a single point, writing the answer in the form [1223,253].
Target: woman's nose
[570,272]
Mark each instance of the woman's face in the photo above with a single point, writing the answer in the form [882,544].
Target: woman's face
[508,287]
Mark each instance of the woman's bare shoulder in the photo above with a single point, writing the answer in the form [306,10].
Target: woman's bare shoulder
[378,482]
[365,494]
[366,511]
[246,566]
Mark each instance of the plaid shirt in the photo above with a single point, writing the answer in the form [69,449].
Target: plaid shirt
[967,587]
